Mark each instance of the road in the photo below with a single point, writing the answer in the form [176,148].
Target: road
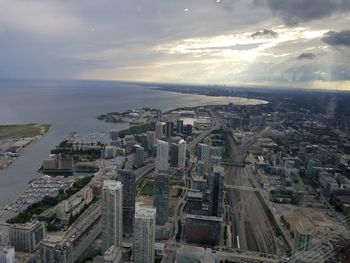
[251,228]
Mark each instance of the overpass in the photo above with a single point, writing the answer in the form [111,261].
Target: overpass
[241,187]
[234,164]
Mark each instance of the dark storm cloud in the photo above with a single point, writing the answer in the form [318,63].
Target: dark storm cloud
[295,11]
[266,33]
[341,38]
[307,56]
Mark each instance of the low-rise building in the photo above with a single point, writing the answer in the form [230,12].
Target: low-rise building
[7,254]
[26,237]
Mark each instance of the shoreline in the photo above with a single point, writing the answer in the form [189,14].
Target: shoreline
[35,139]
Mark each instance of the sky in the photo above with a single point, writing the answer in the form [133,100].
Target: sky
[284,43]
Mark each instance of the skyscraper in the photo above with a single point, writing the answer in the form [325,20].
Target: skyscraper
[162,156]
[161,197]
[144,234]
[216,184]
[139,156]
[169,129]
[112,210]
[159,130]
[151,136]
[127,178]
[182,155]
[203,154]
[179,126]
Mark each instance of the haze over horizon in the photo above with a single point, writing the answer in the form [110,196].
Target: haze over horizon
[298,43]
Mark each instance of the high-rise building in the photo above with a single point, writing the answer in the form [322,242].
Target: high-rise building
[26,237]
[169,129]
[55,249]
[216,185]
[162,156]
[151,136]
[159,130]
[113,135]
[174,155]
[188,129]
[161,197]
[127,178]
[179,126]
[139,156]
[182,155]
[112,214]
[7,254]
[144,234]
[203,154]
[159,115]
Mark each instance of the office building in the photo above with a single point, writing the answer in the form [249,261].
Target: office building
[144,234]
[162,156]
[139,156]
[194,201]
[188,129]
[26,237]
[151,136]
[179,126]
[174,154]
[58,163]
[159,130]
[159,115]
[55,249]
[7,254]
[182,155]
[112,214]
[204,230]
[203,154]
[127,178]
[113,135]
[169,129]
[216,185]
[303,235]
[161,197]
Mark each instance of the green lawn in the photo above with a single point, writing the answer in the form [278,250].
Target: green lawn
[22,130]
[148,189]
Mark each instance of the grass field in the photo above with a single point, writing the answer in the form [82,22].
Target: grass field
[22,130]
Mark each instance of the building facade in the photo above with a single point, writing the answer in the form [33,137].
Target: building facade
[7,254]
[112,214]
[26,237]
[127,178]
[161,197]
[144,234]
[162,156]
[182,155]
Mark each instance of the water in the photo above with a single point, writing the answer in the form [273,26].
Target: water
[73,106]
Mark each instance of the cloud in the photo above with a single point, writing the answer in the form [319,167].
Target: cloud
[307,56]
[296,11]
[333,38]
[231,47]
[266,33]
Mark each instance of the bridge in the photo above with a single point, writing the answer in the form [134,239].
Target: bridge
[234,164]
[242,187]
